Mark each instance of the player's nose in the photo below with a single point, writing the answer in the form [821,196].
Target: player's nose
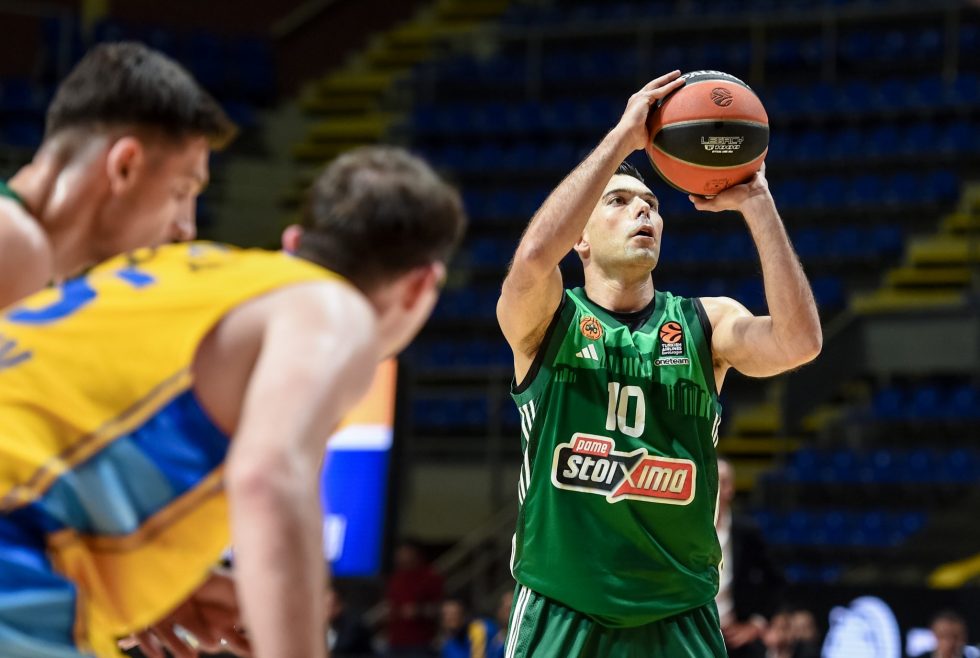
[185,227]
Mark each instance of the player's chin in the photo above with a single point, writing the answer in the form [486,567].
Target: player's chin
[646,256]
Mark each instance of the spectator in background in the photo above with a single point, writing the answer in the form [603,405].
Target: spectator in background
[950,631]
[750,585]
[806,635]
[498,645]
[778,636]
[413,596]
[461,635]
[347,636]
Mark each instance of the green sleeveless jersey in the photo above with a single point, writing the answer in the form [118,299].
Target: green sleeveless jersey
[619,481]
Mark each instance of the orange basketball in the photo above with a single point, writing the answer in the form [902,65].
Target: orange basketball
[708,135]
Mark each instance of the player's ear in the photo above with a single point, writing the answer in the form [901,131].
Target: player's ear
[124,163]
[421,281]
[291,237]
[582,246]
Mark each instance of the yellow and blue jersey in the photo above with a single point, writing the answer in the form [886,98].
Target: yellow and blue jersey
[111,501]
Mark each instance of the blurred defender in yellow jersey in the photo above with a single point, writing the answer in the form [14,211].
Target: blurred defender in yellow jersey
[124,157]
[176,401]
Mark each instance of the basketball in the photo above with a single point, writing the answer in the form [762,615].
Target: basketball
[708,135]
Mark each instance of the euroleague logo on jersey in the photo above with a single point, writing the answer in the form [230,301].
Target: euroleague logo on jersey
[672,345]
[590,327]
[591,464]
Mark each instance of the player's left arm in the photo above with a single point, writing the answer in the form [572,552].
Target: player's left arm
[790,336]
[316,360]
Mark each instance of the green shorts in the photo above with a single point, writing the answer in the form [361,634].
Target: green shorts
[542,628]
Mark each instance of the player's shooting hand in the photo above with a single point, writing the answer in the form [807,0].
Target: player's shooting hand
[634,120]
[736,197]
[210,615]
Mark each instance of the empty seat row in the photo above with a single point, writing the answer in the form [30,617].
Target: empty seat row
[885,140]
[840,528]
[882,466]
[927,401]
[565,115]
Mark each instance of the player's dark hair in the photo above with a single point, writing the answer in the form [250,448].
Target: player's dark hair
[949,615]
[378,212]
[128,84]
[627,169]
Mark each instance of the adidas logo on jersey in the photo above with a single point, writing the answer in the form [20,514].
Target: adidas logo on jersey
[591,464]
[588,353]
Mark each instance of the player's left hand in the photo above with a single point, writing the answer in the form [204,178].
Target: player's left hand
[735,197]
[210,615]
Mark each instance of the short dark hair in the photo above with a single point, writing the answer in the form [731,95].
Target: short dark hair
[377,212]
[949,615]
[626,168]
[127,83]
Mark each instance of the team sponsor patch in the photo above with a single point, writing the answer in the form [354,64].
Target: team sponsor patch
[672,361]
[591,464]
[671,339]
[591,327]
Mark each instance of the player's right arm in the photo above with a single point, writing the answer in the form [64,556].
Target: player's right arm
[25,256]
[316,360]
[532,289]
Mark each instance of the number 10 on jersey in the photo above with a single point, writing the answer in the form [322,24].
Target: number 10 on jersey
[619,408]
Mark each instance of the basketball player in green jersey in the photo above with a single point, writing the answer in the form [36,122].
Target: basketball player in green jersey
[615,552]
[124,157]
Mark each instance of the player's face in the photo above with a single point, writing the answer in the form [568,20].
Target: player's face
[625,227]
[950,638]
[779,634]
[158,205]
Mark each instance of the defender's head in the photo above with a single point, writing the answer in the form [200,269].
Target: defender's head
[386,221]
[623,232]
[133,129]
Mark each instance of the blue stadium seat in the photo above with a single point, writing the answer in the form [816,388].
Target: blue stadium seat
[857,46]
[893,94]
[926,44]
[811,146]
[828,292]
[854,97]
[22,133]
[942,186]
[845,145]
[889,403]
[882,142]
[21,96]
[920,138]
[957,137]
[928,92]
[902,189]
[965,90]
[964,402]
[865,191]
[887,240]
[893,45]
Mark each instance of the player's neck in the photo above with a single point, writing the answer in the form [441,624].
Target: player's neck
[62,215]
[620,295]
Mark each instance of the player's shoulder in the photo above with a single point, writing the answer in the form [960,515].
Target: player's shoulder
[19,229]
[25,253]
[720,309]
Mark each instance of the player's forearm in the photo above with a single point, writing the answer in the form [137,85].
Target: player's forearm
[277,534]
[795,321]
[559,223]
